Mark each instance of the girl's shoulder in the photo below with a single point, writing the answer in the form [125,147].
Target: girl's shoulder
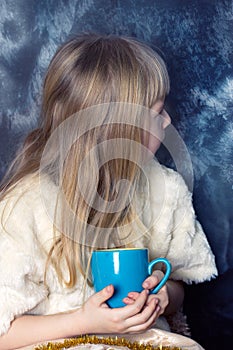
[23,215]
[16,194]
[25,199]
[162,178]
[28,189]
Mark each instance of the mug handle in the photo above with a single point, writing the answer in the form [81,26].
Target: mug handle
[166,276]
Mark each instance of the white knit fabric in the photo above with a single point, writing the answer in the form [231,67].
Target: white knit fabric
[26,233]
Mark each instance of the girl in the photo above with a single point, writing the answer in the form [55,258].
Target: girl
[86,179]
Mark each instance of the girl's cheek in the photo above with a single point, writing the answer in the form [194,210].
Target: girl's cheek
[154,144]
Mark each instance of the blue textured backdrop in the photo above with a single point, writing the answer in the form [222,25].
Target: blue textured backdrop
[195,38]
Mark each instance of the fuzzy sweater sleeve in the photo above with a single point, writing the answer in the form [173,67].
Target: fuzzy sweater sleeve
[174,230]
[21,287]
[189,251]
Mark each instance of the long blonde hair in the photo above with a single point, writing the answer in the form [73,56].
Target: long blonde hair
[90,70]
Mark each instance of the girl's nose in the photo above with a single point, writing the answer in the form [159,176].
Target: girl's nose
[166,119]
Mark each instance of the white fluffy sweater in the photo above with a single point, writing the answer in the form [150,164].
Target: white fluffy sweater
[26,233]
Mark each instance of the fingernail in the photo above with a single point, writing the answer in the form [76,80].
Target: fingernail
[145,285]
[157,308]
[109,288]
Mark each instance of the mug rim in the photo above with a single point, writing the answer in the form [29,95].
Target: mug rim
[117,250]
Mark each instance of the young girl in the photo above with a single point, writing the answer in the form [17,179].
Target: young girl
[86,179]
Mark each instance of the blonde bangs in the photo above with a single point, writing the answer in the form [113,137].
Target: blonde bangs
[153,74]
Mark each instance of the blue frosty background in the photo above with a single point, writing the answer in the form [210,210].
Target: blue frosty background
[195,38]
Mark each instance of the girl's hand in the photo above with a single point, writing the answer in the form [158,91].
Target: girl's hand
[161,298]
[97,317]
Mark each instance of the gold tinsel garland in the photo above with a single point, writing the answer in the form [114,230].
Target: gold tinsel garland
[69,343]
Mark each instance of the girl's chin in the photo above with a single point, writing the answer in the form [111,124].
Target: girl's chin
[153,147]
[148,156]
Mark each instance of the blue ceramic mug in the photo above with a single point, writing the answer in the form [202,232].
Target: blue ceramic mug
[126,269]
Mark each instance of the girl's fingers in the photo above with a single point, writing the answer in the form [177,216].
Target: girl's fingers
[142,327]
[145,319]
[135,308]
[101,297]
[128,301]
[133,295]
[149,282]
[153,280]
